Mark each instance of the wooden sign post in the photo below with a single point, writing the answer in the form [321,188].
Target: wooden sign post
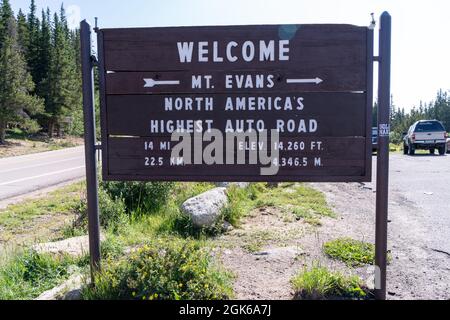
[267,103]
[384,103]
[87,68]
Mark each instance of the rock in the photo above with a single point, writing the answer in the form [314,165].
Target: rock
[229,184]
[76,247]
[69,290]
[206,208]
[227,227]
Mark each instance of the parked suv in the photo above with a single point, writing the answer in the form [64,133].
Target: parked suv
[425,135]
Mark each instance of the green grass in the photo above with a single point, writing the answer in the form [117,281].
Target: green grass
[34,221]
[25,275]
[128,275]
[319,283]
[241,202]
[60,201]
[303,202]
[40,219]
[352,252]
[307,216]
[136,226]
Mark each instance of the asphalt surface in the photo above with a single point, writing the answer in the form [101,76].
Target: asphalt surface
[25,174]
[424,180]
[419,227]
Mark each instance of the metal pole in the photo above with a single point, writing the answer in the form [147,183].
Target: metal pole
[89,147]
[384,97]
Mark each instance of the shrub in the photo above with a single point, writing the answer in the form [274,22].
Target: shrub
[139,197]
[30,126]
[112,247]
[112,212]
[396,137]
[319,283]
[162,270]
[354,253]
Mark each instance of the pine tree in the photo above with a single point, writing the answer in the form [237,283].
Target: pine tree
[44,52]
[22,28]
[5,19]
[33,54]
[16,83]
[62,85]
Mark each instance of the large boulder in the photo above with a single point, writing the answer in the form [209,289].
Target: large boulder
[68,290]
[206,208]
[76,247]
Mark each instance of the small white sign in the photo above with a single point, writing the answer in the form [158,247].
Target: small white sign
[384,130]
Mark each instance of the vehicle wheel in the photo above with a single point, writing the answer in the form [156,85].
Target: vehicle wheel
[432,151]
[411,151]
[405,149]
[442,151]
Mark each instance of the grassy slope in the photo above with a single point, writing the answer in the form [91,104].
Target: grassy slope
[40,219]
[33,221]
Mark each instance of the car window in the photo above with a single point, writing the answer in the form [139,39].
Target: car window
[429,126]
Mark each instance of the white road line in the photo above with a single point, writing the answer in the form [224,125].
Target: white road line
[42,164]
[40,176]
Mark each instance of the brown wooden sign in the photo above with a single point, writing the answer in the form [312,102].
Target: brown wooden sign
[311,84]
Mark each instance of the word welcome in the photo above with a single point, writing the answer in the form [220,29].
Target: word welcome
[233,51]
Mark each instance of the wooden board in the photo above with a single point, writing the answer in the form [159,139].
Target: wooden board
[335,53]
[328,67]
[337,114]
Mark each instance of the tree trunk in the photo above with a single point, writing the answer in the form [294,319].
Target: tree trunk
[2,132]
[51,128]
[60,131]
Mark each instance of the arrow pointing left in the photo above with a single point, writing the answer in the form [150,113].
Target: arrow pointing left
[150,83]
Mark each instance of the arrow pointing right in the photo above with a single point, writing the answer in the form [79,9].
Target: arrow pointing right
[316,81]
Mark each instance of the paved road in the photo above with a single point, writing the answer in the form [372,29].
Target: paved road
[419,223]
[419,228]
[25,174]
[424,181]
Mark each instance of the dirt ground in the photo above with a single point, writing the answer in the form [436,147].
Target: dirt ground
[19,147]
[271,247]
